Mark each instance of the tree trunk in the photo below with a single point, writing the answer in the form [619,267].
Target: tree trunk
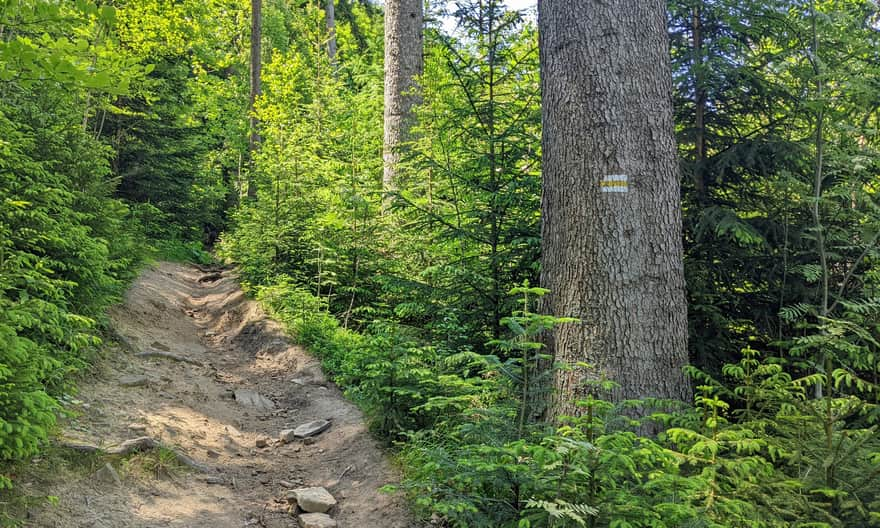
[699,106]
[256,88]
[403,62]
[330,15]
[612,248]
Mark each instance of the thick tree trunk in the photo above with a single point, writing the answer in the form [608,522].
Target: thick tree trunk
[330,15]
[256,88]
[403,62]
[612,249]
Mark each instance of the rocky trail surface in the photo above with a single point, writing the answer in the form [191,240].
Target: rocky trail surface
[212,387]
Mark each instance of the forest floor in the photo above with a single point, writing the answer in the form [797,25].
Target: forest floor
[209,408]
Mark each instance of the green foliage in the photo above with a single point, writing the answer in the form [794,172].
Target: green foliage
[748,123]
[67,247]
[470,187]
[316,218]
[403,386]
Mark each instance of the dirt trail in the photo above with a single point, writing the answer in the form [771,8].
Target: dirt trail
[206,318]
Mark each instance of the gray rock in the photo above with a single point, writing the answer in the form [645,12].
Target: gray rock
[316,520]
[108,475]
[134,381]
[286,436]
[252,399]
[261,442]
[312,500]
[311,428]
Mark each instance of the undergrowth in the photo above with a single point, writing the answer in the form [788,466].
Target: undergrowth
[756,449]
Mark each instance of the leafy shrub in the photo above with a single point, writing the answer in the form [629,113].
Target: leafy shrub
[67,247]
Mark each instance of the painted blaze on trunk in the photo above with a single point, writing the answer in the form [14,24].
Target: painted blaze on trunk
[612,249]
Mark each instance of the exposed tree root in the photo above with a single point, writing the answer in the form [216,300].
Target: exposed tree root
[135,445]
[211,277]
[168,355]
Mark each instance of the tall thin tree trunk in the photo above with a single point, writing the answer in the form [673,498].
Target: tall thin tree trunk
[330,16]
[403,62]
[612,248]
[699,105]
[256,90]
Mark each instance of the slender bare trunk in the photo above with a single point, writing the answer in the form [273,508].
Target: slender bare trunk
[700,106]
[330,16]
[403,63]
[256,90]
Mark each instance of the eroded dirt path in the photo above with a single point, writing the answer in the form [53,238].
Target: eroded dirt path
[207,319]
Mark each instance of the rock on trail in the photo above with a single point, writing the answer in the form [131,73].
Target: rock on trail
[317,520]
[253,399]
[203,371]
[312,500]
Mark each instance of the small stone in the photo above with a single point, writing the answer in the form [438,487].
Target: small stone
[298,381]
[213,454]
[160,346]
[285,484]
[313,500]
[286,436]
[253,399]
[262,442]
[311,429]
[137,428]
[134,381]
[108,475]
[316,520]
[310,441]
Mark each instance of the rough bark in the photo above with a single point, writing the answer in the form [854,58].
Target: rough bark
[330,16]
[256,87]
[403,62]
[612,249]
